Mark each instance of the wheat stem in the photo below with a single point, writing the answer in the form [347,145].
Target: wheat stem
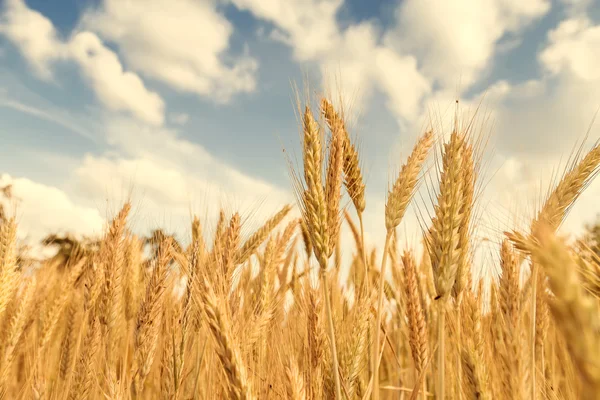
[335,364]
[379,312]
[441,347]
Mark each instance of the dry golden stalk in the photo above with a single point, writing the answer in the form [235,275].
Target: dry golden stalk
[55,308]
[443,247]
[332,340]
[132,276]
[190,318]
[425,279]
[575,312]
[542,320]
[445,238]
[320,210]
[216,254]
[398,198]
[238,384]
[69,341]
[551,215]
[359,343]
[463,272]
[569,189]
[589,272]
[295,382]
[149,319]
[416,319]
[306,239]
[510,306]
[283,241]
[168,361]
[84,379]
[316,343]
[8,262]
[312,200]
[333,185]
[520,241]
[353,179]
[268,268]
[198,237]
[92,286]
[112,296]
[509,284]
[258,326]
[403,189]
[219,231]
[472,382]
[16,328]
[230,248]
[472,338]
[288,262]
[195,258]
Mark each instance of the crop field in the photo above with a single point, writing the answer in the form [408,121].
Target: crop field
[263,315]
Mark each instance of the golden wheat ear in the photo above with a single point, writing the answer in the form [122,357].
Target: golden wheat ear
[576,314]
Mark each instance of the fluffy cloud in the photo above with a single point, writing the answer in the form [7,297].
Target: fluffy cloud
[431,45]
[42,209]
[573,46]
[172,178]
[540,124]
[116,89]
[182,43]
[547,116]
[405,94]
[33,33]
[308,26]
[167,178]
[540,119]
[353,54]
[455,41]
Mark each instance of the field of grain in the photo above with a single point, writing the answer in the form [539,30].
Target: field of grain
[261,315]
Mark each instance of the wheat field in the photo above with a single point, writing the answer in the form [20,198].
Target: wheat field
[263,316]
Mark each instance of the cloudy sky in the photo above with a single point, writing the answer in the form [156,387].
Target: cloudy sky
[188,103]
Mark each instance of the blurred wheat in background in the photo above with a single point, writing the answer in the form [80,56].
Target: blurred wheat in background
[262,315]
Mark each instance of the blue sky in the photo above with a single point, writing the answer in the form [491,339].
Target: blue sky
[190,102]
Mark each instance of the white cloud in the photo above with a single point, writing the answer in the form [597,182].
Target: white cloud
[455,41]
[354,56]
[433,42]
[547,116]
[350,60]
[41,210]
[33,33]
[404,95]
[310,26]
[182,43]
[116,89]
[540,123]
[574,46]
[168,178]
[172,177]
